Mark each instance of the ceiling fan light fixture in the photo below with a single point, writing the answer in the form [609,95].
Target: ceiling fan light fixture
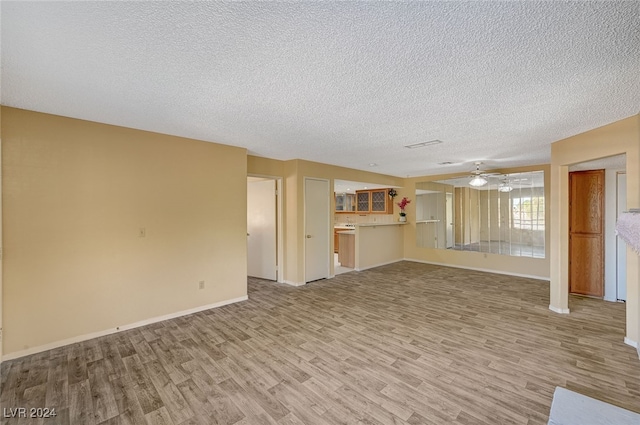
[504,187]
[477,181]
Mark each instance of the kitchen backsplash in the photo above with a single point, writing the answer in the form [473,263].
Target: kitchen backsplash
[365,218]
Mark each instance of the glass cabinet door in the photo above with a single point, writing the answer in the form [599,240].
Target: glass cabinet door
[345,202]
[363,201]
[350,202]
[379,201]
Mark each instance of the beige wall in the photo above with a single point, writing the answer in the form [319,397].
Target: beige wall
[75,195]
[535,267]
[378,245]
[621,137]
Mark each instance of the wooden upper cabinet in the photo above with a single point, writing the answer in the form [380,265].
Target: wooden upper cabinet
[375,201]
[363,201]
[379,202]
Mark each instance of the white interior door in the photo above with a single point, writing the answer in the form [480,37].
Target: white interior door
[261,229]
[449,219]
[317,228]
[621,257]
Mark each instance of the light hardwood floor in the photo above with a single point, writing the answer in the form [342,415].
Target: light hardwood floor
[406,343]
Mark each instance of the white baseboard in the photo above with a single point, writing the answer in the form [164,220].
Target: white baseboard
[80,338]
[631,342]
[378,265]
[546,279]
[289,282]
[558,310]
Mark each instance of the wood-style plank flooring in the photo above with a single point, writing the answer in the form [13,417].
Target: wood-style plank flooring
[406,343]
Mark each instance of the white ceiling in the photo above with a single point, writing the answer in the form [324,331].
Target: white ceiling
[345,83]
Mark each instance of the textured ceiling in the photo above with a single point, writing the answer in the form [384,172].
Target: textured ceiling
[345,83]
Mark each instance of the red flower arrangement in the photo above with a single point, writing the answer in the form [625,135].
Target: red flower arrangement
[402,204]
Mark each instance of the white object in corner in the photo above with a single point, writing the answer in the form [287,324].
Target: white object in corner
[558,310]
[98,334]
[569,408]
[631,342]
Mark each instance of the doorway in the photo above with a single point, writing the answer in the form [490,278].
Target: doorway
[586,233]
[264,228]
[317,206]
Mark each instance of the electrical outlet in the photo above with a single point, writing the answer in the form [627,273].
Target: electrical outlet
[201,284]
[142,232]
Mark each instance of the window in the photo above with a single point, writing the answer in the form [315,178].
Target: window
[527,213]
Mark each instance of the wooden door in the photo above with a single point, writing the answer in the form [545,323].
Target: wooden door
[586,233]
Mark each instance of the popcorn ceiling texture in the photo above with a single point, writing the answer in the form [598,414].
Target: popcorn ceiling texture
[345,83]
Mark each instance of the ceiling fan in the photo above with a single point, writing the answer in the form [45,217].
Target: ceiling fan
[505,185]
[478,178]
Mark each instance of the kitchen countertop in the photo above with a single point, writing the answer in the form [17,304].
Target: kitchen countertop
[395,223]
[347,232]
[338,227]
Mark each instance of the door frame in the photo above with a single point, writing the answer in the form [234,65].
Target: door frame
[621,253]
[279,225]
[567,152]
[304,227]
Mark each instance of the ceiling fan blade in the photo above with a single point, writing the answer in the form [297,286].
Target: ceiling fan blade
[522,182]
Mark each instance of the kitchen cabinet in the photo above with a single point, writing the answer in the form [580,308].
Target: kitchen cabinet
[363,201]
[345,202]
[336,241]
[374,201]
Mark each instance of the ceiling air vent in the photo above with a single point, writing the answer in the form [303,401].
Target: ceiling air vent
[445,163]
[423,144]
